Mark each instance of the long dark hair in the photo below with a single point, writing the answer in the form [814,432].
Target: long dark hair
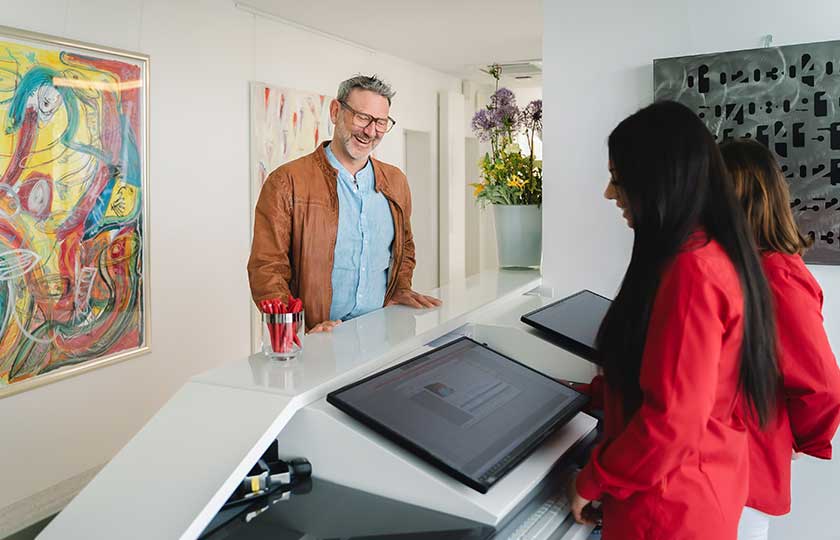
[764,195]
[670,172]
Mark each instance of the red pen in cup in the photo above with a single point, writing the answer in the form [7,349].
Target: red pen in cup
[283,327]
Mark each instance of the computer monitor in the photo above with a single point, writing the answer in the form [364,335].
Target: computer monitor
[470,411]
[573,322]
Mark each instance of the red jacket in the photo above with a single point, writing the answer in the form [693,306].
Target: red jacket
[808,411]
[678,469]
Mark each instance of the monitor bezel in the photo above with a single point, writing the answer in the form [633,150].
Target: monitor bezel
[561,340]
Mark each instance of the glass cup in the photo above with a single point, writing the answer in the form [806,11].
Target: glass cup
[282,334]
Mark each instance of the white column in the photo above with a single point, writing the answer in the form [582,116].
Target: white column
[452,180]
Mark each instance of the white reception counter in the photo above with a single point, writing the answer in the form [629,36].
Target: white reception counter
[174,475]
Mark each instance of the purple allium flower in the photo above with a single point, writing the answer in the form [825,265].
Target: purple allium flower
[483,124]
[507,116]
[532,116]
[502,98]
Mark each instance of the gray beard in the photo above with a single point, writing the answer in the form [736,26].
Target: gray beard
[347,141]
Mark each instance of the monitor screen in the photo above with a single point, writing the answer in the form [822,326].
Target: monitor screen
[572,322]
[465,408]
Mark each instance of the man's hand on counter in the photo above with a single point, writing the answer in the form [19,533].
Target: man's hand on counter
[407,297]
[326,326]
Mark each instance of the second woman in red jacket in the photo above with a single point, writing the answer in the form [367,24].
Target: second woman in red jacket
[688,339]
[808,410]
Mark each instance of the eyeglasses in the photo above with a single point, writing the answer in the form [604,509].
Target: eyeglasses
[363,120]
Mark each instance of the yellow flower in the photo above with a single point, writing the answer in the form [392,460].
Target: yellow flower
[516,182]
[478,188]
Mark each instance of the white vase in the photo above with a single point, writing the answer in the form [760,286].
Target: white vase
[518,235]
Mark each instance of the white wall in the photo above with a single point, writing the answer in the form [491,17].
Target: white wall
[597,65]
[422,174]
[203,53]
[480,233]
[451,175]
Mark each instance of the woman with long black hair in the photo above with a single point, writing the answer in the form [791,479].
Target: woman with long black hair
[687,346]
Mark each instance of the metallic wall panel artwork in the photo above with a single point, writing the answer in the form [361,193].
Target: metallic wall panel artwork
[785,97]
[74,285]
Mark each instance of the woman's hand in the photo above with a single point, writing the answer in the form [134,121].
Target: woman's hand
[581,508]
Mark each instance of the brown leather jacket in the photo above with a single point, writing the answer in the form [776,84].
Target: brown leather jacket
[295,227]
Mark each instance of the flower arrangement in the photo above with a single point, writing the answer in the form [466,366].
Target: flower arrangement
[509,176]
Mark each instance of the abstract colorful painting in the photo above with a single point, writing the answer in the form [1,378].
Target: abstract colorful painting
[285,124]
[73,242]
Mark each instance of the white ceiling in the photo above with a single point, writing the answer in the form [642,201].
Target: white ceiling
[453,36]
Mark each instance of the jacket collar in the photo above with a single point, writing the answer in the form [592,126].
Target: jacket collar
[380,179]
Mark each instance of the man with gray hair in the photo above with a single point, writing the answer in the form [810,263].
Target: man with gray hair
[334,227]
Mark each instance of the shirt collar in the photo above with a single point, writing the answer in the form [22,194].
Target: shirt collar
[367,169]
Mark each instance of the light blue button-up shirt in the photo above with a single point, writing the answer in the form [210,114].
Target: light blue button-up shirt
[363,244]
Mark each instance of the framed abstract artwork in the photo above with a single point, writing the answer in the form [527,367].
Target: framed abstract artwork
[74,244]
[787,98]
[285,124]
